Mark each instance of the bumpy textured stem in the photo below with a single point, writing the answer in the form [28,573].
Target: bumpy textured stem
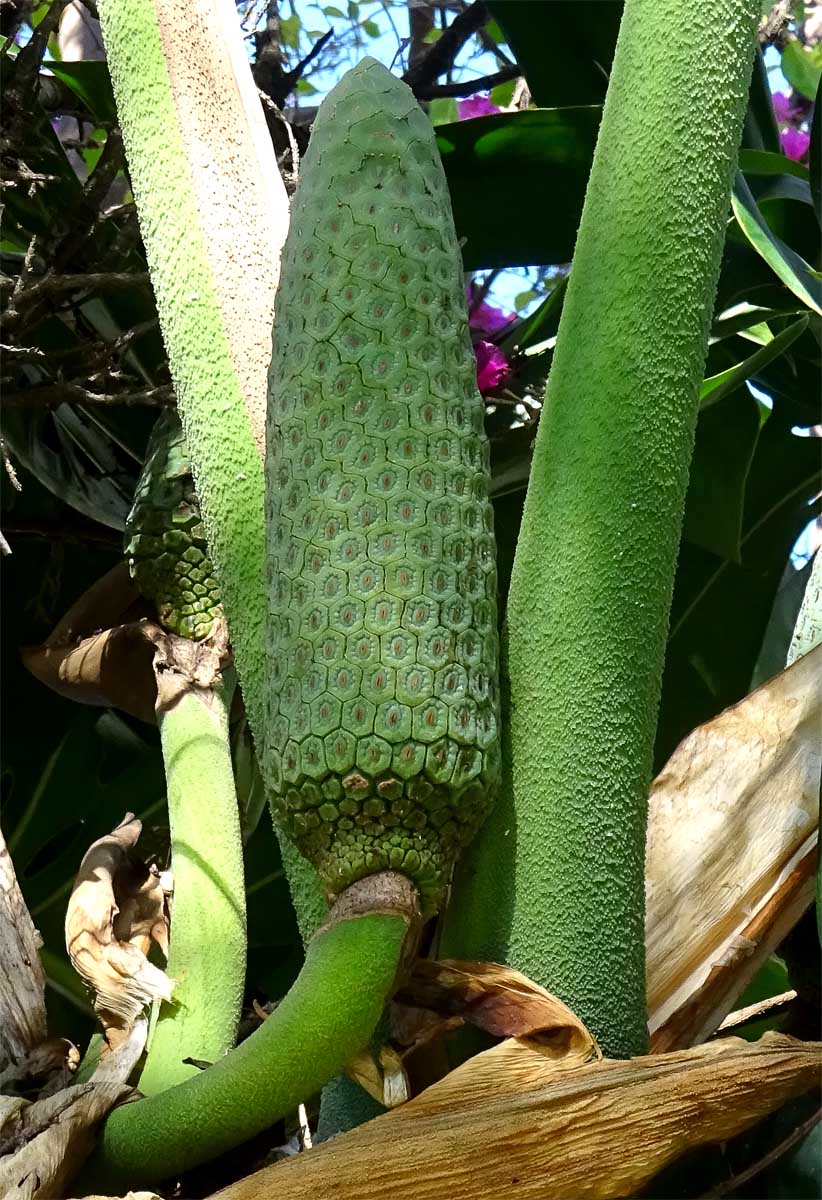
[556,885]
[324,1020]
[225,461]
[208,941]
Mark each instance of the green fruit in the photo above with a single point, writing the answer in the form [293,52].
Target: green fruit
[165,540]
[382,631]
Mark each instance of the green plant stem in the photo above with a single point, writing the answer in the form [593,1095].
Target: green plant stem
[555,885]
[324,1020]
[225,461]
[208,935]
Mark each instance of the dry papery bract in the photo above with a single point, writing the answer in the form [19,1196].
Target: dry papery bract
[117,909]
[442,995]
[732,833]
[515,1120]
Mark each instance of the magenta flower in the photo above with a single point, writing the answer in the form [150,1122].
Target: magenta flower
[476,106]
[489,319]
[492,367]
[782,107]
[795,143]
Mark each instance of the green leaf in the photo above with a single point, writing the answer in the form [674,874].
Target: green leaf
[721,608]
[305,88]
[716,387]
[765,162]
[494,32]
[443,111]
[371,28]
[503,93]
[517,183]
[432,36]
[90,81]
[802,67]
[290,31]
[564,48]
[760,130]
[539,326]
[331,11]
[523,299]
[726,438]
[353,9]
[783,261]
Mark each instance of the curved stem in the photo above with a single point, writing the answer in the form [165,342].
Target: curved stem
[327,1017]
[208,935]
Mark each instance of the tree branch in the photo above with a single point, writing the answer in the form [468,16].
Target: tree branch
[467,87]
[442,54]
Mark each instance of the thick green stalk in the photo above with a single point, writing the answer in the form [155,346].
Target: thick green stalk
[208,938]
[225,460]
[556,884]
[324,1020]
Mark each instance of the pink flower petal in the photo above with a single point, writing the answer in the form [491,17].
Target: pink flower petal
[476,106]
[781,106]
[492,367]
[795,143]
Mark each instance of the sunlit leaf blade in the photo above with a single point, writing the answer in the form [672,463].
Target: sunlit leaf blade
[789,266]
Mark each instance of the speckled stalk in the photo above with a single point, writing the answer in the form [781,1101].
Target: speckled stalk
[226,464]
[324,1020]
[382,629]
[556,885]
[208,933]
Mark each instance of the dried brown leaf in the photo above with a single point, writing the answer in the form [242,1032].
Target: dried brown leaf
[381,1075]
[731,837]
[500,1001]
[43,1145]
[514,1121]
[117,909]
[109,668]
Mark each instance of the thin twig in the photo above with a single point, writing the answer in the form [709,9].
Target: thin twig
[466,87]
[54,284]
[51,394]
[755,1012]
[292,141]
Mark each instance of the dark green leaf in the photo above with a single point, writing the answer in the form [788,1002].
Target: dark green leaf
[331,11]
[371,28]
[540,325]
[726,438]
[789,266]
[765,162]
[720,608]
[716,387]
[517,183]
[760,131]
[90,81]
[565,48]
[802,67]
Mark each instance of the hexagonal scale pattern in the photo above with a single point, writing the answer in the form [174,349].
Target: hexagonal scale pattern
[165,542]
[373,493]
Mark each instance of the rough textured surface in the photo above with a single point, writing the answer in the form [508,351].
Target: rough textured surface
[198,337]
[325,1019]
[165,540]
[555,886]
[381,573]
